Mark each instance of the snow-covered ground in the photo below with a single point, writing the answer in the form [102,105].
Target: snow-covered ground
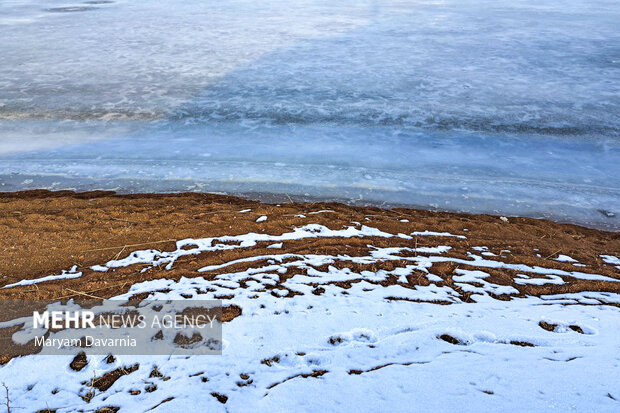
[473,105]
[315,335]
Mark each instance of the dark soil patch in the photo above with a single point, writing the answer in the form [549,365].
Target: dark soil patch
[220,397]
[106,381]
[547,326]
[452,340]
[79,362]
[521,343]
[576,329]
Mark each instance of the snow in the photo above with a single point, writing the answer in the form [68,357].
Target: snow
[369,332]
[478,277]
[370,347]
[72,273]
[610,259]
[261,218]
[565,258]
[436,234]
[157,258]
[549,279]
[246,240]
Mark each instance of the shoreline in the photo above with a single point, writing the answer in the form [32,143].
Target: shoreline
[267,197]
[48,232]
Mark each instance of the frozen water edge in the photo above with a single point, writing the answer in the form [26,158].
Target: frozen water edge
[540,177]
[478,106]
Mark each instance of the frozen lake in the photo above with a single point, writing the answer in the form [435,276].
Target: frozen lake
[509,107]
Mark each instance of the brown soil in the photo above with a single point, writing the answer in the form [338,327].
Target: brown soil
[79,362]
[106,381]
[43,232]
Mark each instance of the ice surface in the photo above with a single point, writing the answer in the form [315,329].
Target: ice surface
[480,106]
